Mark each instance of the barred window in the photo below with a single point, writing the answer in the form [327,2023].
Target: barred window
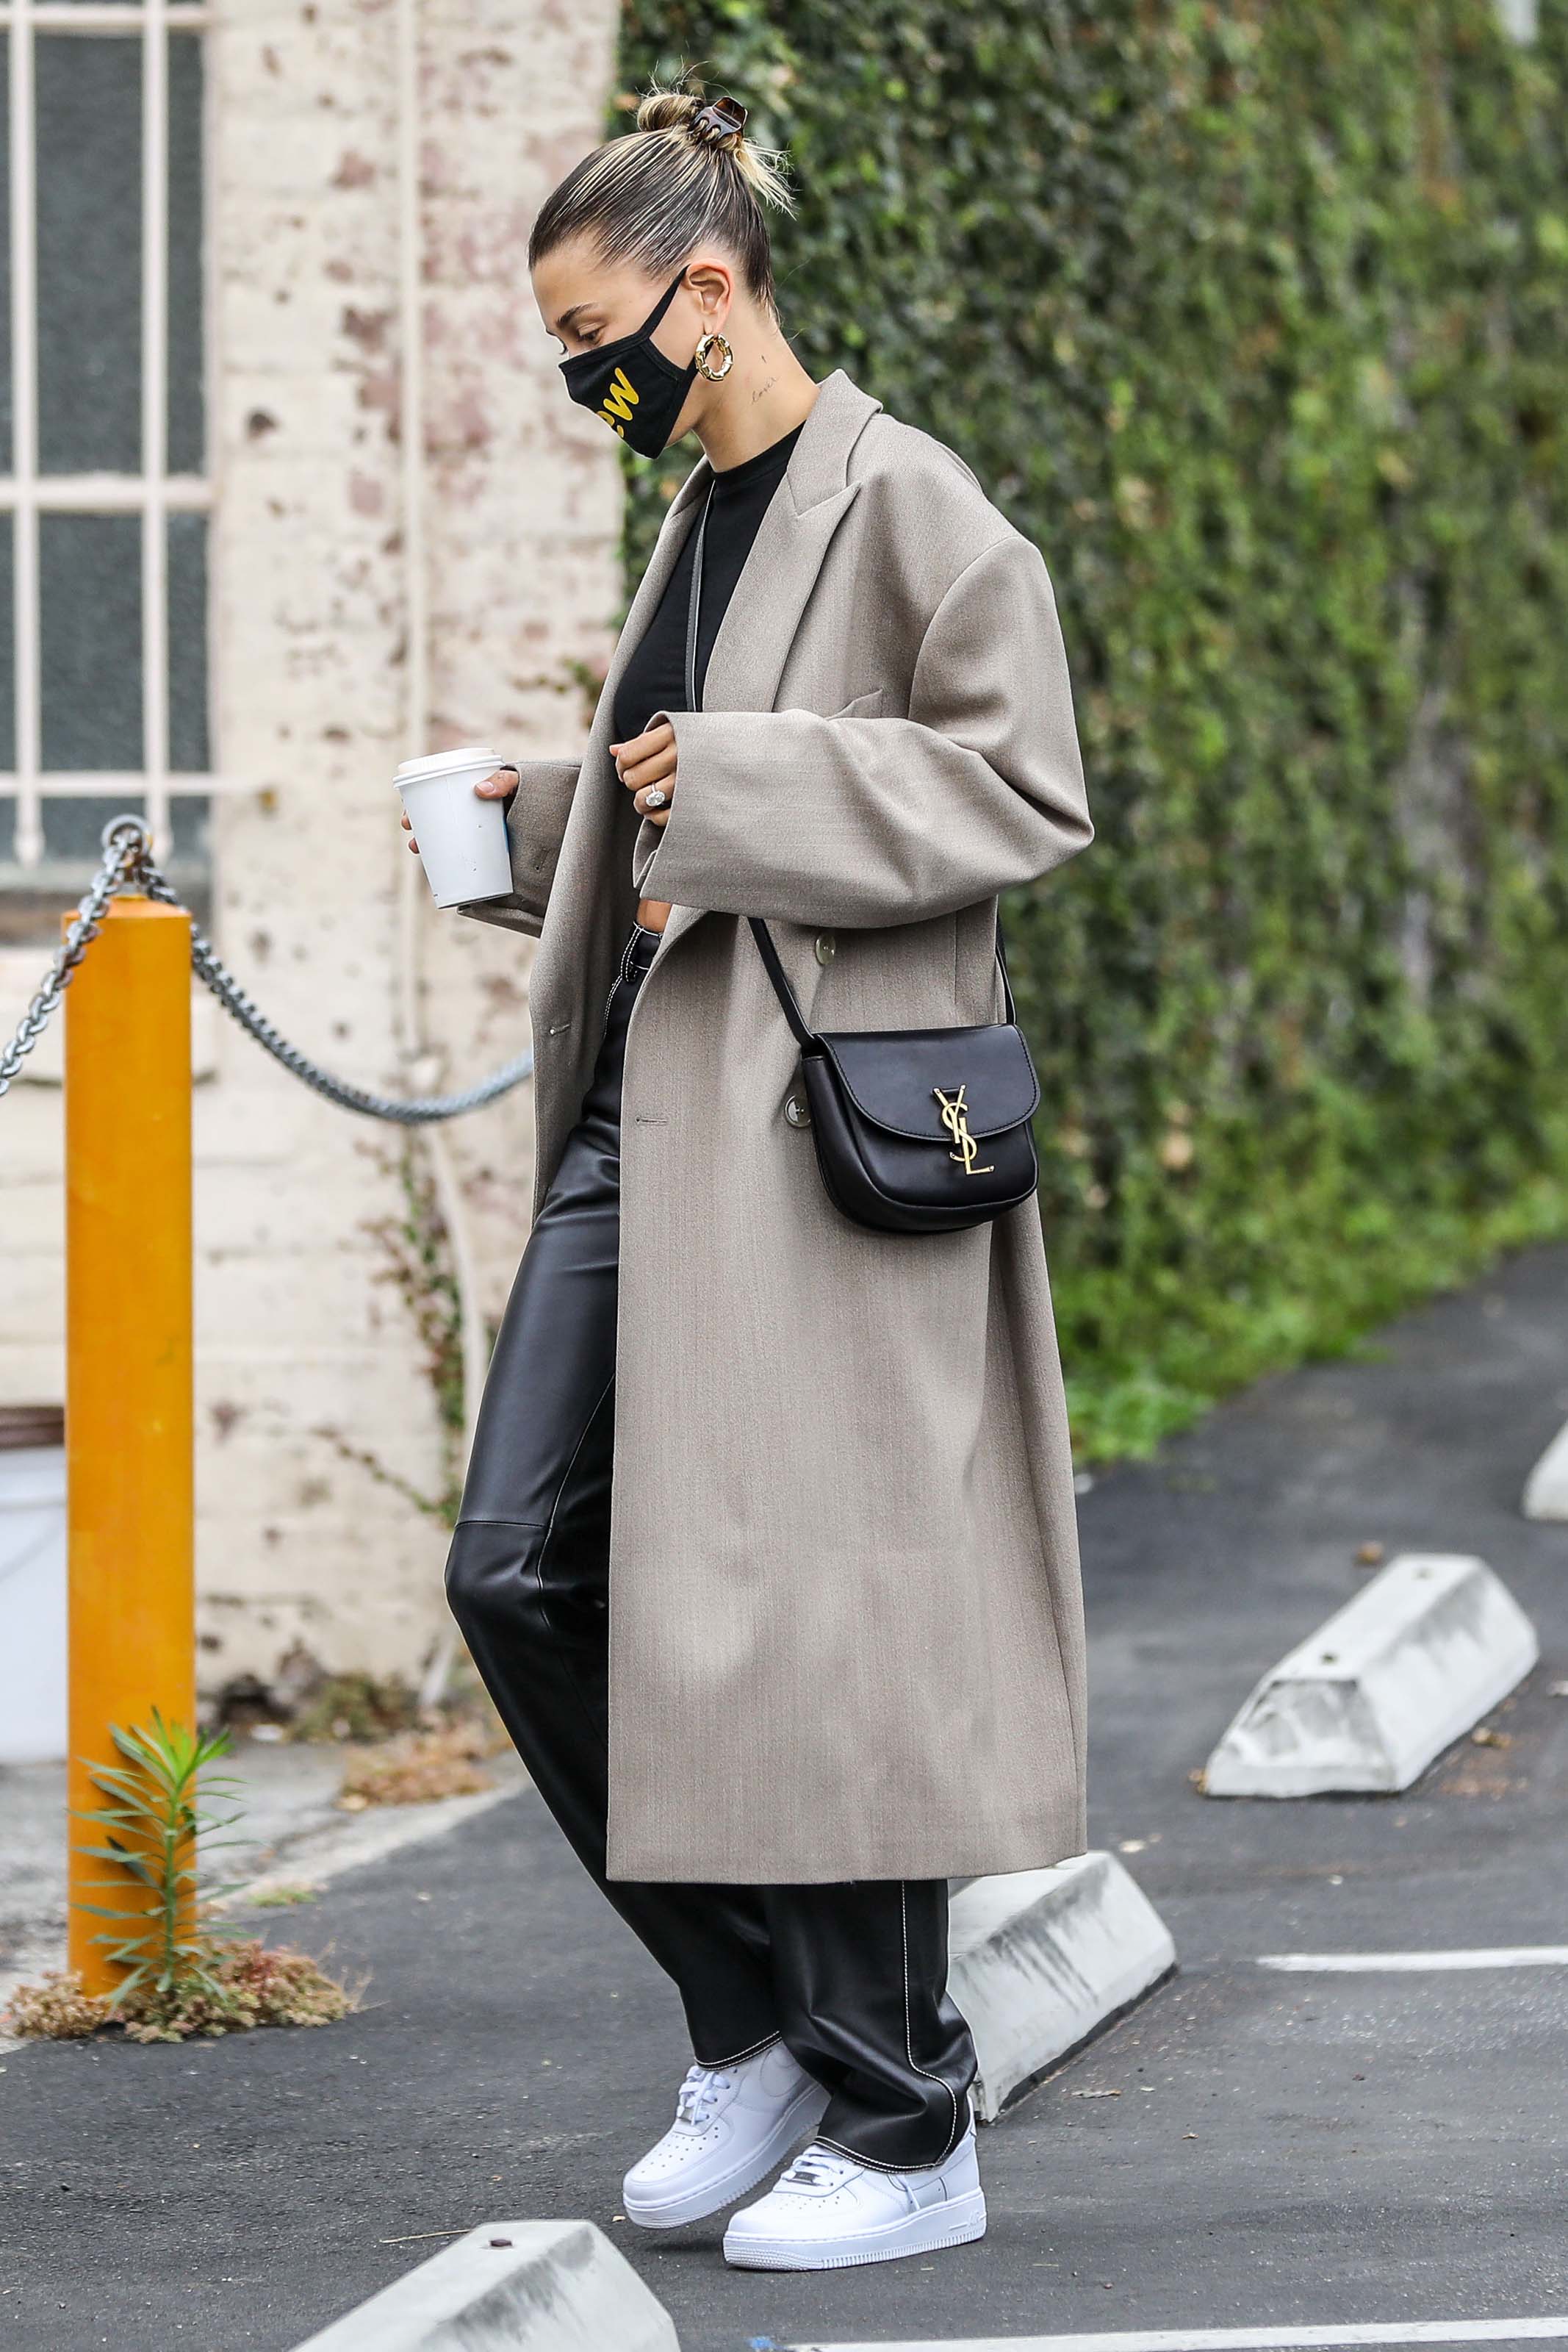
[103,490]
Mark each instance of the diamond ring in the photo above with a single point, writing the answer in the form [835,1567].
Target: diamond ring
[654,797]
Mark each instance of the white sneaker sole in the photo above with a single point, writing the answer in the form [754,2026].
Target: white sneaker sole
[802,2115]
[953,2224]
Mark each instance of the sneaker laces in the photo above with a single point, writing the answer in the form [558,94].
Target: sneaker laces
[697,2094]
[819,2167]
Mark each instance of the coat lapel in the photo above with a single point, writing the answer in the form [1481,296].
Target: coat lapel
[774,587]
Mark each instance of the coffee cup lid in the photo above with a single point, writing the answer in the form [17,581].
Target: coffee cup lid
[435,764]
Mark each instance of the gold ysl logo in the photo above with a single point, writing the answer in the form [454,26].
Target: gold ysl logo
[955,1119]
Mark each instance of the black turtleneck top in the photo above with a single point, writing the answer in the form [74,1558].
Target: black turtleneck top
[654,678]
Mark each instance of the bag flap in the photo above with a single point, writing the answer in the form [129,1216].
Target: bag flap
[892,1077]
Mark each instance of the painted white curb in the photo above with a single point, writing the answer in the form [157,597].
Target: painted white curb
[1239,2339]
[1040,1958]
[1546,1489]
[1407,1666]
[511,2286]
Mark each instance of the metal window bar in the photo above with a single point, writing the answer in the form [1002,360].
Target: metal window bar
[105,493]
[29,835]
[101,15]
[152,495]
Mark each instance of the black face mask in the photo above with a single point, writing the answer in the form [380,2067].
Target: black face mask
[630,383]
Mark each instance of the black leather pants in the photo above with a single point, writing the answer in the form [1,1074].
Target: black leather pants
[853,1976]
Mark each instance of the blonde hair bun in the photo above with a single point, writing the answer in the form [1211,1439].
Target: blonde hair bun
[689,117]
[667,110]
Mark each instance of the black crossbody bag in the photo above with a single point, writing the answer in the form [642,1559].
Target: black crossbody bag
[916,1130]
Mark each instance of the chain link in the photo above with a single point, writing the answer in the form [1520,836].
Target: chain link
[128,865]
[124,844]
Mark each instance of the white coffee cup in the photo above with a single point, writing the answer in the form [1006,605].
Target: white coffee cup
[462,839]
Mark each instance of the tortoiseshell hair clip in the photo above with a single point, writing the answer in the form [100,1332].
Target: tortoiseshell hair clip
[717,120]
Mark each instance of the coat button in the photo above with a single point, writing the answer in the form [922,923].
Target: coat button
[796,1111]
[826,943]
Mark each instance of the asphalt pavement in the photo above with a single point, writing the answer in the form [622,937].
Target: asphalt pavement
[1249,2147]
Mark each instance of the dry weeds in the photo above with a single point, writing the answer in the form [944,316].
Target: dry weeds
[418,1767]
[249,1984]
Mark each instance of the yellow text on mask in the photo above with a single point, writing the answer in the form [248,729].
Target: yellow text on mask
[619,402]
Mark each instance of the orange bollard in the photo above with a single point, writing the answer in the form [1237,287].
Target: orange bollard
[128,1365]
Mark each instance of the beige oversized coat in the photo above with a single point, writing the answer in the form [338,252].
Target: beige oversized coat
[846,1626]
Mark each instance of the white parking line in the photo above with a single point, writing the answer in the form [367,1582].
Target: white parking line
[1238,2339]
[1503,1956]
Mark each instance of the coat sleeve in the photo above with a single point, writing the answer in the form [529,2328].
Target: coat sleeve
[536,822]
[871,821]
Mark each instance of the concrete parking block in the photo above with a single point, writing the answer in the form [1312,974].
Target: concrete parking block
[1040,1959]
[1382,1688]
[1546,1489]
[511,2286]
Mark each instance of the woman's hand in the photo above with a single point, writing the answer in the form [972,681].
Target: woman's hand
[498,787]
[646,766]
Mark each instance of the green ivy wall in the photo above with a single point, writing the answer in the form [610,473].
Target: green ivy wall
[1254,320]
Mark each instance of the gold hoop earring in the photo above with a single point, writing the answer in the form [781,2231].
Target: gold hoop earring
[708,344]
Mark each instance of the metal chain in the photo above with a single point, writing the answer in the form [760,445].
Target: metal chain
[128,865]
[124,843]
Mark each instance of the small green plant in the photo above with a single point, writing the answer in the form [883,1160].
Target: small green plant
[151,1824]
[184,1972]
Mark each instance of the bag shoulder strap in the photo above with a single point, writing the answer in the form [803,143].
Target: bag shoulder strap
[805,1037]
[1007,980]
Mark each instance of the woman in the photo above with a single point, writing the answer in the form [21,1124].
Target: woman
[767,1552]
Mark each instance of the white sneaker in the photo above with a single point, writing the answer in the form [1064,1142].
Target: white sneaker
[733,2125]
[828,2212]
